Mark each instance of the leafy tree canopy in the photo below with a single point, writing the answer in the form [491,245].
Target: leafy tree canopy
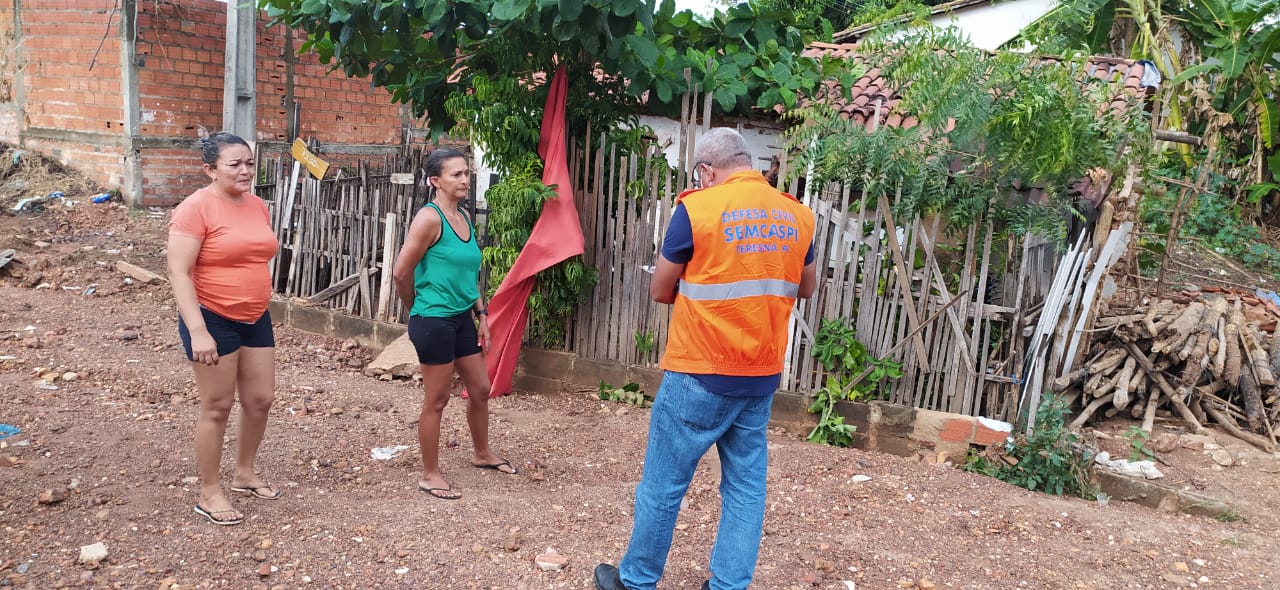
[424,51]
[991,126]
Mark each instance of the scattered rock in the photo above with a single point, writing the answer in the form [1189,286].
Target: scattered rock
[190,480]
[70,376]
[138,273]
[1181,567]
[1222,458]
[1165,443]
[265,544]
[513,542]
[398,359]
[93,554]
[259,555]
[550,561]
[52,496]
[265,569]
[126,335]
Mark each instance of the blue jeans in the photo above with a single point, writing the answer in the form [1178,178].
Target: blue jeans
[686,420]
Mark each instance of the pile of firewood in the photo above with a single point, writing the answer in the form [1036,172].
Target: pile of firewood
[1204,361]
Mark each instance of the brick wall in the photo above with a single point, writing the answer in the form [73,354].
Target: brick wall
[334,108]
[180,85]
[8,67]
[77,115]
[68,111]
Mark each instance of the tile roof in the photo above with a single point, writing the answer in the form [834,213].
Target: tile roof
[871,94]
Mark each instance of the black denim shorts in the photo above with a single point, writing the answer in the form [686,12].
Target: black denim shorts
[440,341]
[230,334]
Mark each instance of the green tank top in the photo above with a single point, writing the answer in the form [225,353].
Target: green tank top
[445,280]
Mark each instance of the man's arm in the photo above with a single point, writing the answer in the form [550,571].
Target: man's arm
[666,280]
[808,280]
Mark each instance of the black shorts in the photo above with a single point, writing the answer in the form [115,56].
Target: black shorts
[230,334]
[440,341]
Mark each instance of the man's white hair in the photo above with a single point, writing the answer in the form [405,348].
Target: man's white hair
[723,148]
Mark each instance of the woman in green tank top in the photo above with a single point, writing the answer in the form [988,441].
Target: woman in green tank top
[437,277]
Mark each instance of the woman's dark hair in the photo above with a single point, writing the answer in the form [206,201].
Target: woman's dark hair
[436,159]
[211,147]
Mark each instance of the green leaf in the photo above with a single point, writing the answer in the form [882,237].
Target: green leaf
[570,10]
[504,10]
[313,7]
[624,7]
[664,91]
[738,27]
[645,50]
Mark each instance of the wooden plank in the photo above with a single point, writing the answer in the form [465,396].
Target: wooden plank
[1117,241]
[388,263]
[900,268]
[972,393]
[334,289]
[366,296]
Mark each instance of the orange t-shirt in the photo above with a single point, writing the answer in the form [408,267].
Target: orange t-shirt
[230,274]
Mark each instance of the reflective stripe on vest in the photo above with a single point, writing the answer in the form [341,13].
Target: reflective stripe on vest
[738,290]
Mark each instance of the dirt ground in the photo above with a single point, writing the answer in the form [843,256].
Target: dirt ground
[108,439]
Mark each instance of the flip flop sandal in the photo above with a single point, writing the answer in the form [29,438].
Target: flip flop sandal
[257,494]
[218,521]
[498,467]
[442,493]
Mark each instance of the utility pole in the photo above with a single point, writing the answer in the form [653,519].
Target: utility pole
[239,93]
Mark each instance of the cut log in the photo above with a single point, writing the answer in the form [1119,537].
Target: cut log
[1231,367]
[1178,404]
[1108,362]
[1220,356]
[1275,351]
[1120,399]
[1119,320]
[1230,426]
[1149,414]
[1209,321]
[1257,356]
[1190,345]
[1173,336]
[1253,409]
[1063,382]
[1087,412]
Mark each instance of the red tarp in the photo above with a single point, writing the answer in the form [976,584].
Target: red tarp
[557,236]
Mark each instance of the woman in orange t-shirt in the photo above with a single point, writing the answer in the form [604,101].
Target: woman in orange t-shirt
[220,241]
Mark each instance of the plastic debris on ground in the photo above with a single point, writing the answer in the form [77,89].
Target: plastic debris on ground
[1144,469]
[386,453]
[8,430]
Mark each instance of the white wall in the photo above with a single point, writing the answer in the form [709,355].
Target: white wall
[763,144]
[989,26]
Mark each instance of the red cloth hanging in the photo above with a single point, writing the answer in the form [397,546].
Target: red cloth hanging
[556,237]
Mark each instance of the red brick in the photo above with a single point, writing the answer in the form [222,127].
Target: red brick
[957,430]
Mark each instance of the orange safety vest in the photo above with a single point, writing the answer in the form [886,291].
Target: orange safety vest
[738,289]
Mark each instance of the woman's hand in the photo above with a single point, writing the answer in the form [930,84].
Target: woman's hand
[203,349]
[483,330]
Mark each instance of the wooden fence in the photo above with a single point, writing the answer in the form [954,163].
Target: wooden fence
[954,316]
[339,236]
[961,351]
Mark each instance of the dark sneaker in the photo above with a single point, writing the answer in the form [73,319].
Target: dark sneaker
[607,578]
[706,585]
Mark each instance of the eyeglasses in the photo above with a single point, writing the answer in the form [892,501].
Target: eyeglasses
[696,177]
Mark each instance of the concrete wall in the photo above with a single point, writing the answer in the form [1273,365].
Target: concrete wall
[931,436]
[890,428]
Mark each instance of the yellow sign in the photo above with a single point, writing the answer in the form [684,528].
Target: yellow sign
[314,164]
